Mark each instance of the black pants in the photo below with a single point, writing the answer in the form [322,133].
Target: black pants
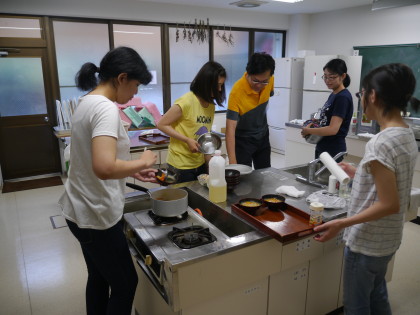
[249,150]
[188,175]
[112,278]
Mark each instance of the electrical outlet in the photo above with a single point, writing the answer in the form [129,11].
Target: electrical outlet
[252,290]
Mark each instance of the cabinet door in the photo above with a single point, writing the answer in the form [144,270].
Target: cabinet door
[249,300]
[312,74]
[287,291]
[324,283]
[300,251]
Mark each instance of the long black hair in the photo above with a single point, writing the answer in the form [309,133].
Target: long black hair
[394,85]
[206,83]
[260,62]
[338,66]
[116,61]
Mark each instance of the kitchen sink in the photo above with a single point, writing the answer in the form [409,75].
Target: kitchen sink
[221,219]
[217,216]
[137,203]
[302,170]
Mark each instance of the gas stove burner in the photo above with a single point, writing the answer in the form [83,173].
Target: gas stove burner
[191,236]
[159,220]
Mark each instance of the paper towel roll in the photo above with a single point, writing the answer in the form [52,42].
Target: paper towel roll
[334,168]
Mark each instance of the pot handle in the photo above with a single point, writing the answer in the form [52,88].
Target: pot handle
[137,187]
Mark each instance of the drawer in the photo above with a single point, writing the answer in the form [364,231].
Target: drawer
[335,243]
[300,251]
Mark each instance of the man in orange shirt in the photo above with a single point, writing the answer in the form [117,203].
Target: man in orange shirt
[247,139]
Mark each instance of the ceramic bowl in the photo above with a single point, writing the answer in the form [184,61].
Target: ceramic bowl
[250,205]
[274,202]
[166,177]
[232,178]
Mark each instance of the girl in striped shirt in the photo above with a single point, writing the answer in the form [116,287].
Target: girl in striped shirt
[381,191]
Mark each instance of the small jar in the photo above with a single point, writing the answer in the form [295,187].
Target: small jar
[344,190]
[316,209]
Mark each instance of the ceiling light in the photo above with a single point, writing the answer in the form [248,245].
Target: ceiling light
[248,3]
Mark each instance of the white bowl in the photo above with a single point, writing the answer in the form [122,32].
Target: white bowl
[243,169]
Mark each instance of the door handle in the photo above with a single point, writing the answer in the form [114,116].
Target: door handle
[46,119]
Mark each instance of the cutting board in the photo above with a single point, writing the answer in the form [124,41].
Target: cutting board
[155,138]
[284,226]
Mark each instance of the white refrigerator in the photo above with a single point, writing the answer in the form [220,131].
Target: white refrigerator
[286,103]
[315,92]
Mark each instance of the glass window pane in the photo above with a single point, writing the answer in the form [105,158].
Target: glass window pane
[271,43]
[146,40]
[186,57]
[21,87]
[232,57]
[177,90]
[68,93]
[26,28]
[75,44]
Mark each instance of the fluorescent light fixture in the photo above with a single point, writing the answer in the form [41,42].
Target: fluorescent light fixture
[20,28]
[143,33]
[288,1]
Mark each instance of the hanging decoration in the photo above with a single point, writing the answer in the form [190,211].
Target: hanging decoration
[199,31]
[228,39]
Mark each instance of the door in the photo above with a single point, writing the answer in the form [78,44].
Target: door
[277,139]
[313,72]
[312,101]
[283,72]
[28,146]
[278,108]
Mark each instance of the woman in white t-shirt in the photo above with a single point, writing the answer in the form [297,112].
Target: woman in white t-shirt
[381,191]
[93,200]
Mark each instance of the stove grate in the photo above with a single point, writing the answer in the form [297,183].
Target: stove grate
[191,236]
[159,220]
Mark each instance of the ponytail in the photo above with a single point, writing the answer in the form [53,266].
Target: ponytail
[86,78]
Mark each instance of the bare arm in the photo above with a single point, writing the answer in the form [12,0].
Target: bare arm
[387,204]
[348,168]
[165,124]
[230,140]
[106,165]
[329,130]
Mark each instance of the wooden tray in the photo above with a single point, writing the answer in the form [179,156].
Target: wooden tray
[155,138]
[284,226]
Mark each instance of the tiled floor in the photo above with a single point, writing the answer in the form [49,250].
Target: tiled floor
[42,271]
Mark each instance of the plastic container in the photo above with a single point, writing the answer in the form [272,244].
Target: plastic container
[344,190]
[316,209]
[332,184]
[216,181]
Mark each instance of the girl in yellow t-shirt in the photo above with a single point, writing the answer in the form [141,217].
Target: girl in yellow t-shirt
[191,116]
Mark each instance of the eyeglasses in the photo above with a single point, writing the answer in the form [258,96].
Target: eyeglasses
[359,95]
[329,77]
[259,82]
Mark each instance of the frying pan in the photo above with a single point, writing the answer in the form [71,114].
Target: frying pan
[168,202]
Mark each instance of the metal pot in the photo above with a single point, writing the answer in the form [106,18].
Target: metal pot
[169,202]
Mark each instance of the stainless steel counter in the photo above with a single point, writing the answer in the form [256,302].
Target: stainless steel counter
[265,181]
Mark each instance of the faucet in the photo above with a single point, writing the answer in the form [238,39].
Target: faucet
[318,172]
[312,174]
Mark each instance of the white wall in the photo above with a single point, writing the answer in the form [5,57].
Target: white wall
[146,11]
[297,36]
[337,32]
